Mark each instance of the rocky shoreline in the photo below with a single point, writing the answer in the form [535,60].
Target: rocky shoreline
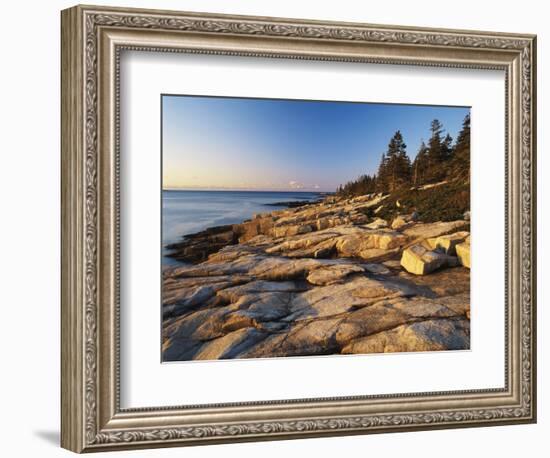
[328,277]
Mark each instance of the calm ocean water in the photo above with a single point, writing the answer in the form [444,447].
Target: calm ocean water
[187,212]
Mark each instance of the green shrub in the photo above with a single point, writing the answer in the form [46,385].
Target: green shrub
[446,202]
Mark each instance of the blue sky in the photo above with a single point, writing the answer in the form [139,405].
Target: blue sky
[270,144]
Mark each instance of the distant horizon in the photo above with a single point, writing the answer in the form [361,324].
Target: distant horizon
[286,191]
[282,145]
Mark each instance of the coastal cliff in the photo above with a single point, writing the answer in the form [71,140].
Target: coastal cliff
[343,275]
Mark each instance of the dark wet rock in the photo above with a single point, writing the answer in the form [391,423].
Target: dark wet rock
[197,247]
[293,203]
[375,268]
[393,264]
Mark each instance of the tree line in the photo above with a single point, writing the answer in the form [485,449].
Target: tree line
[435,161]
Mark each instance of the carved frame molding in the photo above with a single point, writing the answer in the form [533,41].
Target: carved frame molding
[92,39]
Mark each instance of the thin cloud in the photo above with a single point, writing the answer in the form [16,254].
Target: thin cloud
[295,185]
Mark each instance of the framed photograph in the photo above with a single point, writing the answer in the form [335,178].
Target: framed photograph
[277,228]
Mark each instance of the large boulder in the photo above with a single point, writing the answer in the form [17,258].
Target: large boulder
[418,260]
[463,253]
[447,243]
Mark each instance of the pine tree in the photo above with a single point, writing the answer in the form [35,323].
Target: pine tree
[447,148]
[436,153]
[460,163]
[382,175]
[435,142]
[398,164]
[437,160]
[365,184]
[420,165]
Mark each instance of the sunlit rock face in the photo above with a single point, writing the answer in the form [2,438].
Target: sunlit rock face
[325,278]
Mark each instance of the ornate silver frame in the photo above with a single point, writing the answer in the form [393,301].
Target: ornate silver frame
[92,39]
